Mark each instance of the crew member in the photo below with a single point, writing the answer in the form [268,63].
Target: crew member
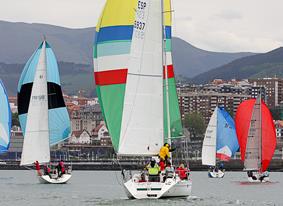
[164,155]
[182,172]
[37,167]
[153,171]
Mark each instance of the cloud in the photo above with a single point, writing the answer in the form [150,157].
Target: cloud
[229,15]
[218,25]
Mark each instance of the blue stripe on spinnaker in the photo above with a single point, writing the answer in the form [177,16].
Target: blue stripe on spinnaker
[168,32]
[59,125]
[23,122]
[52,66]
[5,117]
[3,149]
[113,48]
[226,132]
[28,73]
[114,33]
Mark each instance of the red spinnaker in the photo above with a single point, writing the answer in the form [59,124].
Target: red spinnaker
[242,122]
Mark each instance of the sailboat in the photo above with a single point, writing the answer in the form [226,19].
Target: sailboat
[43,115]
[136,87]
[5,120]
[220,141]
[257,138]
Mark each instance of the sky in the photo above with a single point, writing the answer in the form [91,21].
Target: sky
[215,25]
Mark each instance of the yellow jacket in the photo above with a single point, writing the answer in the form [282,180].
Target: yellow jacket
[164,151]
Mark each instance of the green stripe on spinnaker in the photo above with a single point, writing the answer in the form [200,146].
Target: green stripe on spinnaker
[175,116]
[111,98]
[168,47]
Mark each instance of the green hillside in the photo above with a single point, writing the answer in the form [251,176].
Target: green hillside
[262,65]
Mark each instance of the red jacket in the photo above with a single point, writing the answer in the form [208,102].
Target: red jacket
[37,166]
[182,172]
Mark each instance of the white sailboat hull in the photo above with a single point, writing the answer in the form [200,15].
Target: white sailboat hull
[214,174]
[259,178]
[45,179]
[172,187]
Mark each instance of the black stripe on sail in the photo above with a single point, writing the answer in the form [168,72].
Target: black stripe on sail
[23,98]
[55,97]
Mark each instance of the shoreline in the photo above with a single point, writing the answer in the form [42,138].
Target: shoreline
[194,165]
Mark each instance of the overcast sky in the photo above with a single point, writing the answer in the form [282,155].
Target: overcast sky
[216,25]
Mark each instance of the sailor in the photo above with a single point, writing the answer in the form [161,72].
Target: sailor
[169,171]
[182,172]
[37,167]
[153,171]
[62,168]
[164,155]
[47,170]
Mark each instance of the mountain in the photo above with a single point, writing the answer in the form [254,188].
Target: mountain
[261,65]
[73,48]
[74,77]
[19,40]
[190,61]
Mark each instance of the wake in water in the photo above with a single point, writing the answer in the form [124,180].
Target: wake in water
[255,183]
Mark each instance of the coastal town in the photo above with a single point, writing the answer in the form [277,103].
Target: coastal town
[90,140]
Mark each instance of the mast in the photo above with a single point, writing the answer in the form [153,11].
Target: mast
[166,74]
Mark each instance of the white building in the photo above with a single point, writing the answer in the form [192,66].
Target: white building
[80,138]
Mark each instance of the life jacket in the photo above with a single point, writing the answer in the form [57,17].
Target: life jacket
[37,166]
[182,173]
[153,170]
[164,153]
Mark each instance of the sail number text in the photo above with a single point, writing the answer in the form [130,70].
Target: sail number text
[141,5]
[139,25]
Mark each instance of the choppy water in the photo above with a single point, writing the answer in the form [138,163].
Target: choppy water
[102,188]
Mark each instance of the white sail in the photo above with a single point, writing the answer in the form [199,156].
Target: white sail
[36,142]
[142,120]
[253,148]
[209,142]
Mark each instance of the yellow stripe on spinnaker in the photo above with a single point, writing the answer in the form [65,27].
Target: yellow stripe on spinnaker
[122,13]
[117,13]
[167,12]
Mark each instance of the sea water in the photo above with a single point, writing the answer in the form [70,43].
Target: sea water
[104,188]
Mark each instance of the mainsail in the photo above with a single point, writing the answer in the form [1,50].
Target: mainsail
[128,63]
[5,120]
[58,117]
[220,139]
[209,142]
[256,134]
